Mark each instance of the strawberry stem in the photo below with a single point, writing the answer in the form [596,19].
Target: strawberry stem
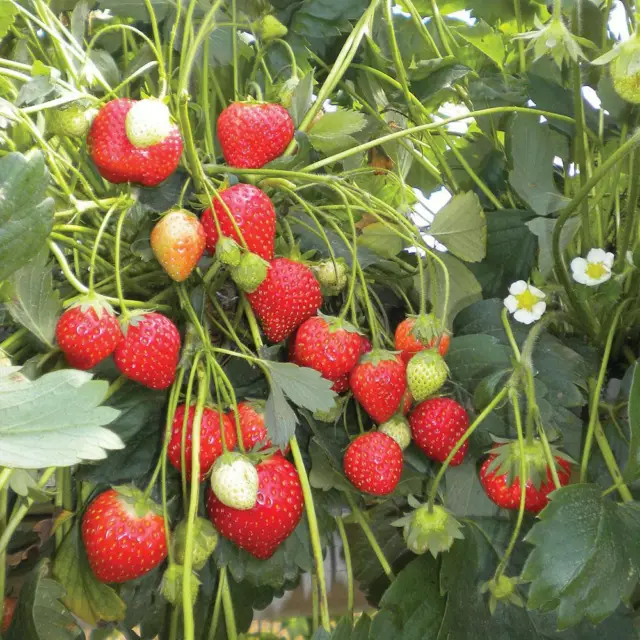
[217,606]
[314,532]
[227,603]
[348,566]
[4,494]
[123,307]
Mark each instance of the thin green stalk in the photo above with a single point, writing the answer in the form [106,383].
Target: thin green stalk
[13,340]
[348,566]
[612,465]
[579,138]
[626,235]
[433,492]
[441,27]
[522,59]
[4,493]
[229,616]
[373,543]
[314,532]
[595,394]
[217,606]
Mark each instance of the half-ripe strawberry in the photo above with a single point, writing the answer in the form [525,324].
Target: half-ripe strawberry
[328,345]
[150,351]
[88,332]
[262,529]
[178,242]
[379,383]
[288,296]
[437,425]
[373,463]
[500,475]
[135,141]
[416,334]
[248,210]
[124,535]
[210,438]
[252,134]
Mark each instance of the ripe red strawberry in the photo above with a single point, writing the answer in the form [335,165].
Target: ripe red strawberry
[373,463]
[341,384]
[437,425]
[10,605]
[124,535]
[288,296]
[135,141]
[88,333]
[327,345]
[252,425]
[150,351]
[178,242]
[365,345]
[253,213]
[254,133]
[378,383]
[408,341]
[407,402]
[503,486]
[262,529]
[210,439]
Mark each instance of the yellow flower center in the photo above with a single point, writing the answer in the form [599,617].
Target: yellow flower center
[527,300]
[596,270]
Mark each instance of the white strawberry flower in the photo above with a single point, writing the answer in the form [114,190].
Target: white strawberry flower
[525,302]
[594,269]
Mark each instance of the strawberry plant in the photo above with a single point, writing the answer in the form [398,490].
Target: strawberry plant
[282,279]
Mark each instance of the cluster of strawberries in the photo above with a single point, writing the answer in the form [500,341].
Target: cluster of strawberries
[256,499]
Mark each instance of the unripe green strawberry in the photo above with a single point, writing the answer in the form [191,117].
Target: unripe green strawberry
[331,415]
[250,273]
[331,276]
[502,589]
[172,584]
[268,28]
[72,121]
[234,480]
[205,539]
[148,122]
[426,529]
[625,71]
[398,428]
[228,251]
[426,373]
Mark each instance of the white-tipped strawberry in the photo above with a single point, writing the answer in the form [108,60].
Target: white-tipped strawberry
[234,481]
[148,122]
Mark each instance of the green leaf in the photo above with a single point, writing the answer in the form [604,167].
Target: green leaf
[333,132]
[88,598]
[38,420]
[464,493]
[26,216]
[8,12]
[414,599]
[511,252]
[136,9]
[543,228]
[632,469]
[280,419]
[301,99]
[303,386]
[35,91]
[324,475]
[587,573]
[443,74]
[34,303]
[532,153]
[461,226]
[465,289]
[484,38]
[40,615]
[381,240]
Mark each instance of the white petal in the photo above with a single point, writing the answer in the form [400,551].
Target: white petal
[591,282]
[524,316]
[578,265]
[520,286]
[539,308]
[511,303]
[536,292]
[596,255]
[581,277]
[609,258]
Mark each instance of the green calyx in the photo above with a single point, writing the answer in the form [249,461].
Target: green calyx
[427,328]
[93,301]
[172,582]
[625,71]
[425,529]
[136,503]
[337,324]
[205,539]
[250,272]
[502,589]
[376,356]
[228,251]
[397,428]
[508,456]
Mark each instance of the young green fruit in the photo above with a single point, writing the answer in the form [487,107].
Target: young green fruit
[205,539]
[250,273]
[268,28]
[426,373]
[625,71]
[397,428]
[331,276]
[72,121]
[172,585]
[234,480]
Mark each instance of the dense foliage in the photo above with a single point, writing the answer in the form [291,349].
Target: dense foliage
[527,281]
